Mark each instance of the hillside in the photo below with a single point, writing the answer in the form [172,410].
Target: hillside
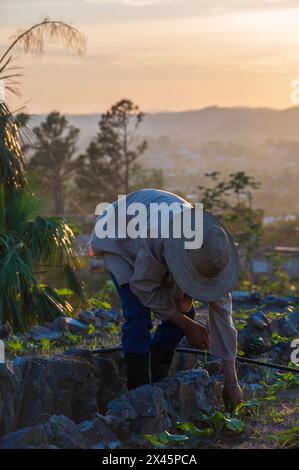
[186,145]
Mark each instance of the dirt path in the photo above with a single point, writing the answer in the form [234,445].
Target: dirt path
[262,429]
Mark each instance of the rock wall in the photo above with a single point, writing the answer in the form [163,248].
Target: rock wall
[147,409]
[76,385]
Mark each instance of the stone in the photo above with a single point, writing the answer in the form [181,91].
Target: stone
[294,319]
[97,434]
[280,353]
[214,367]
[284,327]
[76,327]
[65,384]
[109,315]
[259,321]
[64,434]
[40,332]
[147,400]
[245,296]
[252,390]
[255,337]
[5,330]
[249,373]
[183,361]
[278,301]
[118,425]
[122,408]
[187,392]
[58,324]
[89,317]
[110,370]
[34,437]
[144,408]
[8,387]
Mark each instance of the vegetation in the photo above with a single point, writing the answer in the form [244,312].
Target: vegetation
[54,147]
[245,425]
[113,152]
[232,200]
[29,241]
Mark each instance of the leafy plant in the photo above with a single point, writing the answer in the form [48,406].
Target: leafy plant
[282,382]
[290,438]
[218,420]
[16,346]
[91,329]
[165,439]
[232,200]
[276,338]
[46,345]
[213,422]
[30,244]
[278,282]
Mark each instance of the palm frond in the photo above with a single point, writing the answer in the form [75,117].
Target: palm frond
[46,304]
[51,241]
[20,207]
[12,172]
[33,39]
[73,282]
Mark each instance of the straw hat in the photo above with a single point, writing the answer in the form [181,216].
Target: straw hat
[208,272]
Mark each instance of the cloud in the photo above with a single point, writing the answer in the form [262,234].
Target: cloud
[206,5]
[130,3]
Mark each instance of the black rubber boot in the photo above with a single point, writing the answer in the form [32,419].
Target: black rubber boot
[160,365]
[137,370]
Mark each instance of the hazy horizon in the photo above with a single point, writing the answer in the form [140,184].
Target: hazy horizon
[168,111]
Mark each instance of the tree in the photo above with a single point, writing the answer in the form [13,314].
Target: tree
[232,200]
[28,241]
[107,167]
[54,147]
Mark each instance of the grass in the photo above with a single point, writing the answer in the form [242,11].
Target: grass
[106,337]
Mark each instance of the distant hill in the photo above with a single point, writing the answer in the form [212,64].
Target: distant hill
[240,124]
[186,145]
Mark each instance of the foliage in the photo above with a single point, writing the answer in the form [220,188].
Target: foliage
[33,40]
[146,178]
[280,233]
[290,438]
[12,173]
[218,420]
[212,422]
[29,241]
[282,381]
[111,155]
[278,282]
[54,147]
[29,245]
[276,338]
[164,439]
[232,200]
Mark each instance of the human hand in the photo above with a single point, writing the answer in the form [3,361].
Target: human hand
[185,304]
[197,336]
[90,251]
[232,396]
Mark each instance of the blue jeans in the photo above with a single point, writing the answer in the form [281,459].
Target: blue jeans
[136,330]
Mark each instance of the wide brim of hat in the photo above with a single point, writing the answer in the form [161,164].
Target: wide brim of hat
[192,282]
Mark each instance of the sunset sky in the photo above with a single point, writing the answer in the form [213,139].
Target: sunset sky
[163,54]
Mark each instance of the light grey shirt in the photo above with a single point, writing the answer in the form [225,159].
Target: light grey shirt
[140,263]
